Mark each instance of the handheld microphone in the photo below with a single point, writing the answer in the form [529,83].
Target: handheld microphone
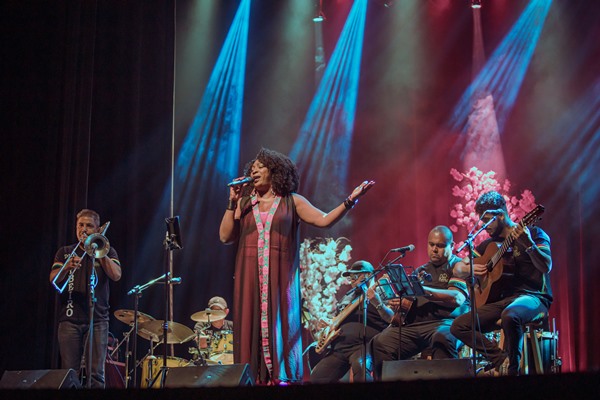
[404,249]
[241,181]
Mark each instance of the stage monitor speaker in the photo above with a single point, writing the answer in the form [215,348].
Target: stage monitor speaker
[408,370]
[40,379]
[209,376]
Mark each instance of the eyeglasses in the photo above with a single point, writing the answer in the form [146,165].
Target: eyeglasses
[354,276]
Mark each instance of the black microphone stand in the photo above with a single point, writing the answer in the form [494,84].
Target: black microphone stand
[365,303]
[172,242]
[401,295]
[91,303]
[471,280]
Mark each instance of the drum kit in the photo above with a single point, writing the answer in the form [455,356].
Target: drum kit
[212,347]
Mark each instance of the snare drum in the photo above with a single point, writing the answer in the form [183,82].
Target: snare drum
[151,369]
[222,347]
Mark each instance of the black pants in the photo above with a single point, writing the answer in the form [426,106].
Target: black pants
[416,337]
[335,365]
[513,312]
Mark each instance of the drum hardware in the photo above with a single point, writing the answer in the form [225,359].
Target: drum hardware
[208,315]
[126,316]
[222,349]
[151,368]
[151,330]
[214,349]
[154,330]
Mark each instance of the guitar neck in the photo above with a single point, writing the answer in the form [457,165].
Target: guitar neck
[505,245]
[338,319]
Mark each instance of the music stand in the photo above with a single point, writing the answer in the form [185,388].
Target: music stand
[402,285]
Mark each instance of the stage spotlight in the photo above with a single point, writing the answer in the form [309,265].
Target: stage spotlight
[475,3]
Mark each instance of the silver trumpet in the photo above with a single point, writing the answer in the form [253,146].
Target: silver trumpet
[95,245]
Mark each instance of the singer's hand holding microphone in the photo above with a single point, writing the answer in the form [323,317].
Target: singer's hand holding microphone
[235,190]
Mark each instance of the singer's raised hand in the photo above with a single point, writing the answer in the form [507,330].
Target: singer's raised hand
[361,189]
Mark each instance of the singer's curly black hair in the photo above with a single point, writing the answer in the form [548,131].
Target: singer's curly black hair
[491,200]
[284,173]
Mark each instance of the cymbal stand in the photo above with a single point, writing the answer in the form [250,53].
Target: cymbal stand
[137,291]
[126,336]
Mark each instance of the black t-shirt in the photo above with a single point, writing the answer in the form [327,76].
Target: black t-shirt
[74,300]
[519,275]
[424,310]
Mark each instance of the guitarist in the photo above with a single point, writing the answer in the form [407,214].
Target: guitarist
[426,325]
[347,350]
[521,294]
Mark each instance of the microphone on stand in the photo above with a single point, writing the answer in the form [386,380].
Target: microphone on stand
[247,179]
[404,249]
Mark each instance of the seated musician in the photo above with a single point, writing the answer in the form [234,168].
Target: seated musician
[347,350]
[424,323]
[211,329]
[216,303]
[519,295]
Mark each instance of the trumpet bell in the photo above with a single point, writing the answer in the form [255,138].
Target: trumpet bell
[96,245]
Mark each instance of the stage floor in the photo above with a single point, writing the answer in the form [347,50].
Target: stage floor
[557,386]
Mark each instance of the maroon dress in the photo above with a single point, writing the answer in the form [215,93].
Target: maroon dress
[284,324]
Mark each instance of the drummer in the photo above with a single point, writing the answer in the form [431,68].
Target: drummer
[219,323]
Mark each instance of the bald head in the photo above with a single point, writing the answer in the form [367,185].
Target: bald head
[439,245]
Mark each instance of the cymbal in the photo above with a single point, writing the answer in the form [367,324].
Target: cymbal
[126,316]
[176,333]
[208,314]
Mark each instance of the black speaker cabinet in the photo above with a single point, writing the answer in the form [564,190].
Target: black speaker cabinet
[40,379]
[407,370]
[209,376]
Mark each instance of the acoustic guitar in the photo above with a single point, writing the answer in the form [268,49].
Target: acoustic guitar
[492,258]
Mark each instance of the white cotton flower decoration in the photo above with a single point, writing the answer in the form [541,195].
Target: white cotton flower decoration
[322,262]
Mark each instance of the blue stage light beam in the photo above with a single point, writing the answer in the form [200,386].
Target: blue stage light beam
[322,149]
[503,74]
[208,159]
[212,145]
[574,144]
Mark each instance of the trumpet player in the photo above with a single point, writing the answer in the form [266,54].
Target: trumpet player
[73,267]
